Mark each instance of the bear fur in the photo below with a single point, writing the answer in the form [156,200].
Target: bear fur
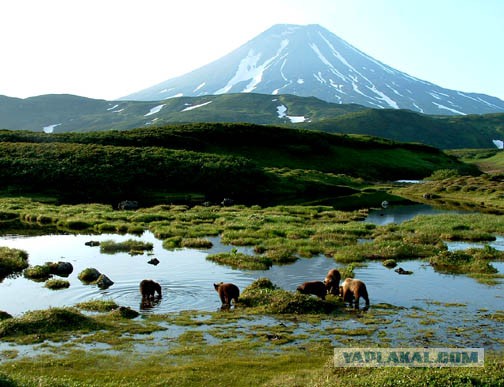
[316,288]
[352,290]
[227,292]
[148,288]
[332,281]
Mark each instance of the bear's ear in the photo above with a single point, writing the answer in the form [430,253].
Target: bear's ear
[215,286]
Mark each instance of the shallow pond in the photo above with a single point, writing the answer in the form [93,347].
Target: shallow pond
[187,277]
[403,212]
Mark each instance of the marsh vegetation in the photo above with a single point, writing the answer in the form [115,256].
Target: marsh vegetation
[273,335]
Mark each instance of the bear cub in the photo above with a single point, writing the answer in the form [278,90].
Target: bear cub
[332,281]
[316,288]
[148,288]
[227,292]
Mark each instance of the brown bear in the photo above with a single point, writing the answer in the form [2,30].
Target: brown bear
[227,292]
[148,288]
[352,290]
[331,281]
[316,288]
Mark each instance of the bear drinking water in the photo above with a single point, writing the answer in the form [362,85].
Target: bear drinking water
[227,292]
[148,288]
[316,288]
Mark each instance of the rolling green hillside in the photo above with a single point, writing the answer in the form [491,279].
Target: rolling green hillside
[251,162]
[454,132]
[67,113]
[77,114]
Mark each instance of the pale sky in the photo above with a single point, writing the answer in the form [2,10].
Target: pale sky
[110,48]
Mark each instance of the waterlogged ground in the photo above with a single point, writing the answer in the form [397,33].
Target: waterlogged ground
[187,278]
[423,309]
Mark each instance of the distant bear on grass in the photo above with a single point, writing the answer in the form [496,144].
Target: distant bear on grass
[148,288]
[227,292]
[352,290]
[332,281]
[316,288]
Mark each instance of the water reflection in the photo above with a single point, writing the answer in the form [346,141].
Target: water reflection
[401,213]
[187,278]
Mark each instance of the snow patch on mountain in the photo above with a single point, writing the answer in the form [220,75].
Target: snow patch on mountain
[201,85]
[195,106]
[154,110]
[50,128]
[498,143]
[325,61]
[282,113]
[248,69]
[449,109]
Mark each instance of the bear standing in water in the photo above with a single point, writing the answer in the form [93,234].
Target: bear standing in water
[331,281]
[354,289]
[148,288]
[316,288]
[227,292]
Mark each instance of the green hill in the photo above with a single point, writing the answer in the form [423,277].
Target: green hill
[453,132]
[67,113]
[248,162]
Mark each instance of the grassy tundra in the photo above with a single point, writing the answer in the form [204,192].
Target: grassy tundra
[273,337]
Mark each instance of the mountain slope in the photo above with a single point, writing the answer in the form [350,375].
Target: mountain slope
[311,61]
[68,113]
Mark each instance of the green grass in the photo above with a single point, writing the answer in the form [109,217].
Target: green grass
[43,323]
[262,296]
[483,193]
[97,305]
[38,272]
[130,246]
[474,262]
[12,261]
[56,284]
[239,260]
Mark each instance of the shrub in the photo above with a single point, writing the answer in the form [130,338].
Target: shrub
[241,261]
[56,284]
[47,321]
[12,261]
[98,305]
[442,174]
[265,297]
[197,243]
[172,243]
[38,272]
[131,246]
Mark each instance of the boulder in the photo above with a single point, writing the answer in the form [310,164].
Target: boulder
[104,282]
[63,269]
[89,275]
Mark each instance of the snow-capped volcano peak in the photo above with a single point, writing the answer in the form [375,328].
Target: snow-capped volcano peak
[311,61]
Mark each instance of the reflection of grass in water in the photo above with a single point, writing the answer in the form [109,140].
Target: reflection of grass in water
[111,247]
